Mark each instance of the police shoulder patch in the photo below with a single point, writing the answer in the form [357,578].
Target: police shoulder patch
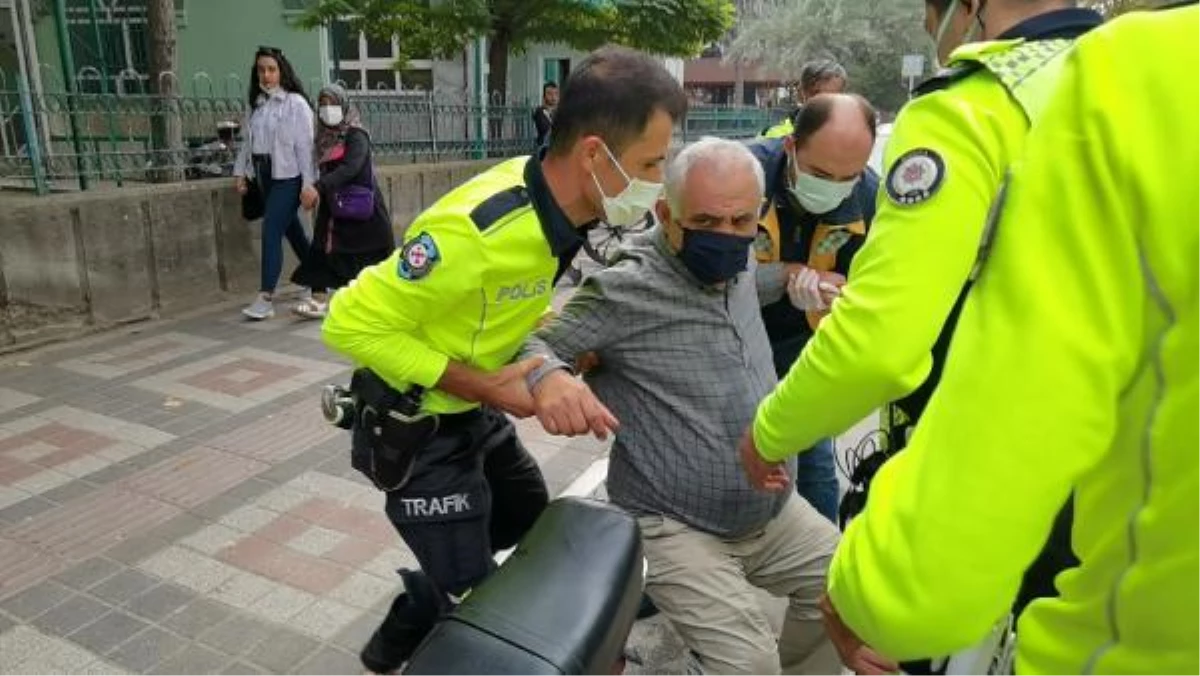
[418,257]
[915,177]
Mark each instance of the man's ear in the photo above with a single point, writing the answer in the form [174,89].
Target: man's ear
[591,152]
[662,211]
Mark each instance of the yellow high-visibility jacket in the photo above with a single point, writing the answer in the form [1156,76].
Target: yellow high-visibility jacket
[1074,367]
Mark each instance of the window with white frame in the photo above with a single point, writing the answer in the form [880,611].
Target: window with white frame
[368,64]
[111,36]
[122,47]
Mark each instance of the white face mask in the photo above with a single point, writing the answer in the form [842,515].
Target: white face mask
[269,91]
[331,116]
[631,205]
[819,195]
[944,29]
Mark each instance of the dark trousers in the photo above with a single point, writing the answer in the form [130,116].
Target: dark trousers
[816,479]
[474,491]
[281,199]
[816,473]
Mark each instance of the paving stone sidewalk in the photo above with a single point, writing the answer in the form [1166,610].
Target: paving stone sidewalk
[171,501]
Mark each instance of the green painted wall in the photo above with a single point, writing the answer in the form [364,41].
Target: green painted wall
[217,37]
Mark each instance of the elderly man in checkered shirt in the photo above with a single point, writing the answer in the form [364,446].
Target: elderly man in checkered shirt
[684,361]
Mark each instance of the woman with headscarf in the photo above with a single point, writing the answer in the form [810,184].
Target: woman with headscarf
[352,229]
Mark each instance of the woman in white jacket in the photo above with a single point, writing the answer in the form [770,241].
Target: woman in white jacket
[277,156]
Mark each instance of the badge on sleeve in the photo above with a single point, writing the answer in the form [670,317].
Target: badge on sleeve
[418,257]
[915,177]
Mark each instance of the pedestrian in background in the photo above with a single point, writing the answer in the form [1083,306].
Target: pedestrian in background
[352,228]
[543,115]
[275,165]
[821,76]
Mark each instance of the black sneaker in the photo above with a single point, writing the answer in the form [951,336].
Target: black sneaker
[408,621]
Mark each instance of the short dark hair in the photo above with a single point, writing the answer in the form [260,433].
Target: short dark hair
[613,93]
[549,85]
[814,114]
[815,72]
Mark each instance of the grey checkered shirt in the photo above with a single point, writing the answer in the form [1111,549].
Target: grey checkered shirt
[683,368]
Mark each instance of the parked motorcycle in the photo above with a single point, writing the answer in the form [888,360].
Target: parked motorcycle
[214,157]
[563,603]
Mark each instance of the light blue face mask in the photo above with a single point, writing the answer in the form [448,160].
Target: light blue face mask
[818,195]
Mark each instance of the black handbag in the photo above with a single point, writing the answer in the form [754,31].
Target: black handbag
[253,205]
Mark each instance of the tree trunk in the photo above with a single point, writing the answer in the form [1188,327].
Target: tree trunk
[166,126]
[500,135]
[497,80]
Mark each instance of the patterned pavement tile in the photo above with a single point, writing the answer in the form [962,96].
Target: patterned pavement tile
[315,553]
[280,435]
[128,357]
[171,501]
[310,330]
[11,400]
[239,379]
[192,477]
[29,651]
[44,451]
[22,566]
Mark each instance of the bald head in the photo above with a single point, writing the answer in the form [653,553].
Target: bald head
[833,136]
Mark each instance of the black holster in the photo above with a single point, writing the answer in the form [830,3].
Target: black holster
[389,430]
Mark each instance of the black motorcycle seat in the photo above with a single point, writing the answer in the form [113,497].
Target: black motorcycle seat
[563,603]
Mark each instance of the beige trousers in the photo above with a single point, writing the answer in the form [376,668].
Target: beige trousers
[706,587]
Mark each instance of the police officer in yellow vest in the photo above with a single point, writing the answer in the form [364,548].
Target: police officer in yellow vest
[1074,367]
[821,76]
[886,337]
[436,325]
[820,200]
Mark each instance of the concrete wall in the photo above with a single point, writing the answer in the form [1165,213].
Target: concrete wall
[73,262]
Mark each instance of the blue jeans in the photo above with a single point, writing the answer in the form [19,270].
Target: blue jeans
[816,478]
[282,200]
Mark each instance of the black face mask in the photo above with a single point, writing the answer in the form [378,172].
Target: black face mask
[714,257]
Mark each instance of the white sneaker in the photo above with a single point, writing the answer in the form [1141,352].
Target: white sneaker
[262,308]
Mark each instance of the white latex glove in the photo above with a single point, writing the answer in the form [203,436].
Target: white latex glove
[829,292]
[804,291]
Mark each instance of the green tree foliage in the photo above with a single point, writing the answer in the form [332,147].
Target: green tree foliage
[442,29]
[868,37]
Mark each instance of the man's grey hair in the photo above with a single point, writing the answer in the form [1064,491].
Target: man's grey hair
[815,72]
[722,154]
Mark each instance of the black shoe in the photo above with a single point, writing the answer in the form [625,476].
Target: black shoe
[647,608]
[409,620]
[379,658]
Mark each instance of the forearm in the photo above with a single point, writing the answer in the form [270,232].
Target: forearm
[302,131]
[464,382]
[349,169]
[771,280]
[304,158]
[586,324]
[537,347]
